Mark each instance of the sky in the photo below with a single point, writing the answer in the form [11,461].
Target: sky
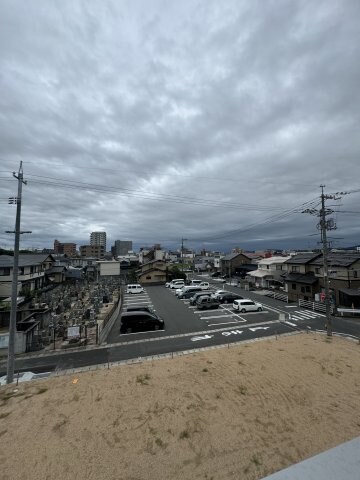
[157,121]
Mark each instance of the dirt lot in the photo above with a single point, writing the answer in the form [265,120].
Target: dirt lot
[237,413]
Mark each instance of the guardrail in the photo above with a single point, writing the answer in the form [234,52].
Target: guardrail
[348,311]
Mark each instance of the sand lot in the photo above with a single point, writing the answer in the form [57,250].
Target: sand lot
[233,413]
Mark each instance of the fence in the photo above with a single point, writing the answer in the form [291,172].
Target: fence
[109,322]
[278,296]
[315,306]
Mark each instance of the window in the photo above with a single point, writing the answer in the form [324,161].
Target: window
[295,268]
[355,274]
[317,270]
[278,267]
[302,289]
[5,271]
[308,289]
[293,286]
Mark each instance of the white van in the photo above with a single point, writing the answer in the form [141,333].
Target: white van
[134,288]
[169,284]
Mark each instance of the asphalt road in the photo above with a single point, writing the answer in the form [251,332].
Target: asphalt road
[186,329]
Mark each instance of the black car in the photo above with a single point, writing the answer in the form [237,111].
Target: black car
[140,321]
[190,293]
[140,308]
[229,297]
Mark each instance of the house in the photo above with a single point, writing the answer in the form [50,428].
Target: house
[31,272]
[304,276]
[229,263]
[269,272]
[152,273]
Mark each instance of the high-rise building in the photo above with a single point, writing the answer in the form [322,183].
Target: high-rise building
[122,247]
[98,238]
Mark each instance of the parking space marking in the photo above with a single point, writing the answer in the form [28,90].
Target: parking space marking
[222,323]
[216,316]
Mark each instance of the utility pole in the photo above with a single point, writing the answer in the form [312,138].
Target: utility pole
[182,253]
[325,225]
[14,286]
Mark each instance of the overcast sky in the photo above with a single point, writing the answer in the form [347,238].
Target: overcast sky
[156,120]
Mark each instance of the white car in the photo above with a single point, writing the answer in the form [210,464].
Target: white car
[217,293]
[177,284]
[168,284]
[134,288]
[246,305]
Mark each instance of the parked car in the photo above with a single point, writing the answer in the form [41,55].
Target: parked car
[202,293]
[177,284]
[215,274]
[140,321]
[185,288]
[247,305]
[167,284]
[217,293]
[134,288]
[195,282]
[204,285]
[189,293]
[140,308]
[204,303]
[229,297]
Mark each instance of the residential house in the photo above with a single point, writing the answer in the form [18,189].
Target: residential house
[304,278]
[269,272]
[152,273]
[31,272]
[229,263]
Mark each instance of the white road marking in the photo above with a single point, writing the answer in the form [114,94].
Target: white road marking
[292,324]
[258,328]
[216,316]
[204,337]
[222,323]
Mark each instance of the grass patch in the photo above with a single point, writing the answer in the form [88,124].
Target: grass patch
[41,390]
[242,389]
[143,379]
[160,443]
[184,434]
[4,415]
[256,460]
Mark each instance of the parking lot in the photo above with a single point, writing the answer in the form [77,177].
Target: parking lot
[180,317]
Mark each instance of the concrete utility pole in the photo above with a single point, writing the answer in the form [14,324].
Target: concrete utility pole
[17,232]
[182,253]
[325,225]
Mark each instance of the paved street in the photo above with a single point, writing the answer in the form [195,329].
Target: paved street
[187,328]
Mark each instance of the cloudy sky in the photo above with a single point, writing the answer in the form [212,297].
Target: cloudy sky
[157,120]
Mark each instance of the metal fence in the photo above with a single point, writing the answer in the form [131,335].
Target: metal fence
[278,296]
[315,306]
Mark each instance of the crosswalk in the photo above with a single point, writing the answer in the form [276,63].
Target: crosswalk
[304,315]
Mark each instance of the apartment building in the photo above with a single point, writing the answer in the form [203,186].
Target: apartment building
[98,238]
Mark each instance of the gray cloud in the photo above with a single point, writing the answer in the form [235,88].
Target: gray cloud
[155,120]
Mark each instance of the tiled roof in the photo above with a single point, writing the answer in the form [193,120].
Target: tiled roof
[302,258]
[26,259]
[306,278]
[338,259]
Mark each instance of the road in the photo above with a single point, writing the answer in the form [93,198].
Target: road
[186,329]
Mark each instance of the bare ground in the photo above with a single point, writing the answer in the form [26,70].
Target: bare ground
[237,413]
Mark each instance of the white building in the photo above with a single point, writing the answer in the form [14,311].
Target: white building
[269,271]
